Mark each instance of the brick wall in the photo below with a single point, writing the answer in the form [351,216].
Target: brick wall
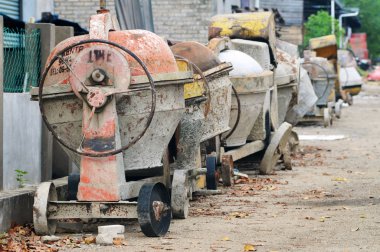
[183,20]
[179,19]
[79,11]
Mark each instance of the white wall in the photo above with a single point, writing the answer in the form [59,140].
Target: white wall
[34,8]
[22,139]
[225,6]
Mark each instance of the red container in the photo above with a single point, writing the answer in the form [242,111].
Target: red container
[359,36]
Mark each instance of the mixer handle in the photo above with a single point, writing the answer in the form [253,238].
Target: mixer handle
[325,73]
[238,115]
[152,89]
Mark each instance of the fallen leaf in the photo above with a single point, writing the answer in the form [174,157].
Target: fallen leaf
[226,238]
[118,241]
[90,240]
[340,179]
[238,215]
[3,235]
[272,188]
[22,232]
[157,247]
[246,188]
[165,242]
[249,247]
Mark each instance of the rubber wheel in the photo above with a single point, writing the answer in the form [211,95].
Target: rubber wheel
[211,176]
[286,157]
[276,148]
[72,185]
[326,118]
[294,142]
[180,194]
[268,129]
[291,148]
[350,100]
[338,109]
[153,209]
[42,225]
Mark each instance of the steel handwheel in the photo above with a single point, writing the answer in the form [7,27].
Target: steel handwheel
[95,97]
[180,195]
[276,148]
[45,193]
[153,209]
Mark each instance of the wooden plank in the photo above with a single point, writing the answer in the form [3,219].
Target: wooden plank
[246,150]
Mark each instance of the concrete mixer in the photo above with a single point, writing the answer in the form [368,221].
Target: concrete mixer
[113,99]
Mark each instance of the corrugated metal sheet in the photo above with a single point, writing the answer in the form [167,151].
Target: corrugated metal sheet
[290,10]
[10,8]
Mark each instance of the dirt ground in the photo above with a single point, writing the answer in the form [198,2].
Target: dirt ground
[330,201]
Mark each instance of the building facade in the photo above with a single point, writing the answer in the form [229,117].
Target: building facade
[79,11]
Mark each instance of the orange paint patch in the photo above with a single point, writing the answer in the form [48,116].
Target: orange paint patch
[89,193]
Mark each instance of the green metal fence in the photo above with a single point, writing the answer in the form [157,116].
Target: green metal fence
[22,62]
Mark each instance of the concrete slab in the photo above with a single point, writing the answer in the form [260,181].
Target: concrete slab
[112,229]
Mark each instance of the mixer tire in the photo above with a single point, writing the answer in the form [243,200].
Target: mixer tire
[211,175]
[291,148]
[42,225]
[180,194]
[286,157]
[72,185]
[350,99]
[294,142]
[276,148]
[338,109]
[154,210]
[326,118]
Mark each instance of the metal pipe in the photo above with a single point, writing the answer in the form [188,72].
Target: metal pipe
[102,4]
[349,33]
[332,16]
[353,14]
[257,4]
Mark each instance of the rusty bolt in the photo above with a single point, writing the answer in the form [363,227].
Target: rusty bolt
[96,98]
[159,209]
[98,75]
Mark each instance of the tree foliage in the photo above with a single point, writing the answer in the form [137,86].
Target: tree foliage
[370,21]
[318,25]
